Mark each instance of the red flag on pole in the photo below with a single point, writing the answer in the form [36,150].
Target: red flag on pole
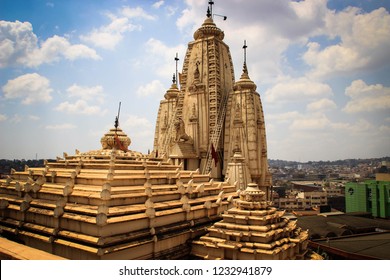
[214,154]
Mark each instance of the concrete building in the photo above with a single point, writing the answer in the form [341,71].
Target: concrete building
[369,196]
[301,200]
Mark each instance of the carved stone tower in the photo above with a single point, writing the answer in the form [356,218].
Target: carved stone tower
[245,131]
[194,117]
[210,118]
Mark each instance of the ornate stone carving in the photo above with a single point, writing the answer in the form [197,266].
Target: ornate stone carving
[181,134]
[115,138]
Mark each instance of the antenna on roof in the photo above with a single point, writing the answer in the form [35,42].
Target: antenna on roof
[210,11]
[224,17]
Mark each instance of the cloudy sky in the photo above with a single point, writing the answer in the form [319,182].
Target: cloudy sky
[321,66]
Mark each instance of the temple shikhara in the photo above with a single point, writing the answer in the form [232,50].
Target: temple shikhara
[214,123]
[203,192]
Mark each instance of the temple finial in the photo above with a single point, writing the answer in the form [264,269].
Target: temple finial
[210,9]
[176,60]
[116,124]
[245,69]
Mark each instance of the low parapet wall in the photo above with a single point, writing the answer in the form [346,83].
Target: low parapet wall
[10,250]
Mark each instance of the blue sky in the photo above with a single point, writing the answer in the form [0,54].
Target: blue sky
[321,67]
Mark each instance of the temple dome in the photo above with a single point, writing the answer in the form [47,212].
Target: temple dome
[110,140]
[245,82]
[252,193]
[208,28]
[172,92]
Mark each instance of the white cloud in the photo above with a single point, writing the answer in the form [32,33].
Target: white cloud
[155,88]
[86,93]
[310,122]
[334,59]
[270,26]
[170,11]
[367,98]
[3,117]
[364,43]
[140,130]
[16,118]
[161,57]
[86,103]
[56,47]
[158,4]
[33,118]
[109,36]
[133,121]
[323,104]
[31,88]
[16,41]
[362,126]
[297,90]
[137,12]
[63,126]
[79,107]
[19,45]
[191,16]
[385,129]
[283,117]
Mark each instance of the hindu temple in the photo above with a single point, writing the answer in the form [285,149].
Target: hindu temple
[203,191]
[212,117]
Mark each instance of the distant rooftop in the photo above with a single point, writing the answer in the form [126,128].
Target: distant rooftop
[362,246]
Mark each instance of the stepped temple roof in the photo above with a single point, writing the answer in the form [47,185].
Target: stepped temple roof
[252,230]
[110,204]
